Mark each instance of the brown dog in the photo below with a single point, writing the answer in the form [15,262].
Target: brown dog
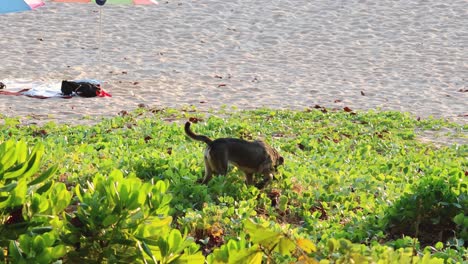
[249,156]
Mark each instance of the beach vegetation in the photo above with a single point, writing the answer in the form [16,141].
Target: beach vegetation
[356,187]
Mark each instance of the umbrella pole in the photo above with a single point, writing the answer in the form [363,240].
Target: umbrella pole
[100,45]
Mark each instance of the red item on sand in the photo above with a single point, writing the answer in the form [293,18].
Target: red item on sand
[14,93]
[102,93]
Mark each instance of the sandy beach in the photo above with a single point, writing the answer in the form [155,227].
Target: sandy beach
[408,56]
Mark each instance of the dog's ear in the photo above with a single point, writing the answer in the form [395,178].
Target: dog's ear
[280,160]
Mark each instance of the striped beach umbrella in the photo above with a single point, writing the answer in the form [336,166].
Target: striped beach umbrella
[9,6]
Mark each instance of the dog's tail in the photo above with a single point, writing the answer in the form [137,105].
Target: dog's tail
[189,133]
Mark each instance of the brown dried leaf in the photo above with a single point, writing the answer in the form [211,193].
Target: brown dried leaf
[195,120]
[41,132]
[123,113]
[278,134]
[347,109]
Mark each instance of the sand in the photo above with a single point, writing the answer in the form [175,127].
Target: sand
[409,56]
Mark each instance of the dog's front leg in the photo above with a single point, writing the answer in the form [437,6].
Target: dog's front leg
[267,178]
[249,178]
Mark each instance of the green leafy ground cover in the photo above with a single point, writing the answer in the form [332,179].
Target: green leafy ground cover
[355,188]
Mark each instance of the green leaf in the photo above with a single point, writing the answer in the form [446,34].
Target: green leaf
[44,176]
[35,160]
[38,244]
[22,151]
[196,258]
[161,186]
[62,200]
[255,258]
[249,256]
[232,245]
[110,220]
[174,240]
[286,246]
[16,172]
[58,251]
[141,197]
[7,159]
[30,167]
[15,251]
[333,245]
[9,187]
[163,247]
[35,203]
[49,239]
[17,195]
[44,257]
[459,218]
[262,235]
[78,192]
[45,188]
[144,247]
[132,202]
[122,191]
[41,230]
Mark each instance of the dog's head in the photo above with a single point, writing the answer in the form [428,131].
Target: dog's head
[279,161]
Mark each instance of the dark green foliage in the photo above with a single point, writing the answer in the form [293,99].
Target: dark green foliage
[29,205]
[427,212]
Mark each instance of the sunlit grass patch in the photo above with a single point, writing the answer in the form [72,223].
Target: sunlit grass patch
[352,182]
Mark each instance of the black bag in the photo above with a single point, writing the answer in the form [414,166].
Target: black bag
[84,89]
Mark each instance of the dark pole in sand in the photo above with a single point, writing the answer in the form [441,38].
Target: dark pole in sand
[100,3]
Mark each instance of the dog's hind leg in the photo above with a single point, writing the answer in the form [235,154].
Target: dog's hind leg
[219,161]
[249,178]
[208,172]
